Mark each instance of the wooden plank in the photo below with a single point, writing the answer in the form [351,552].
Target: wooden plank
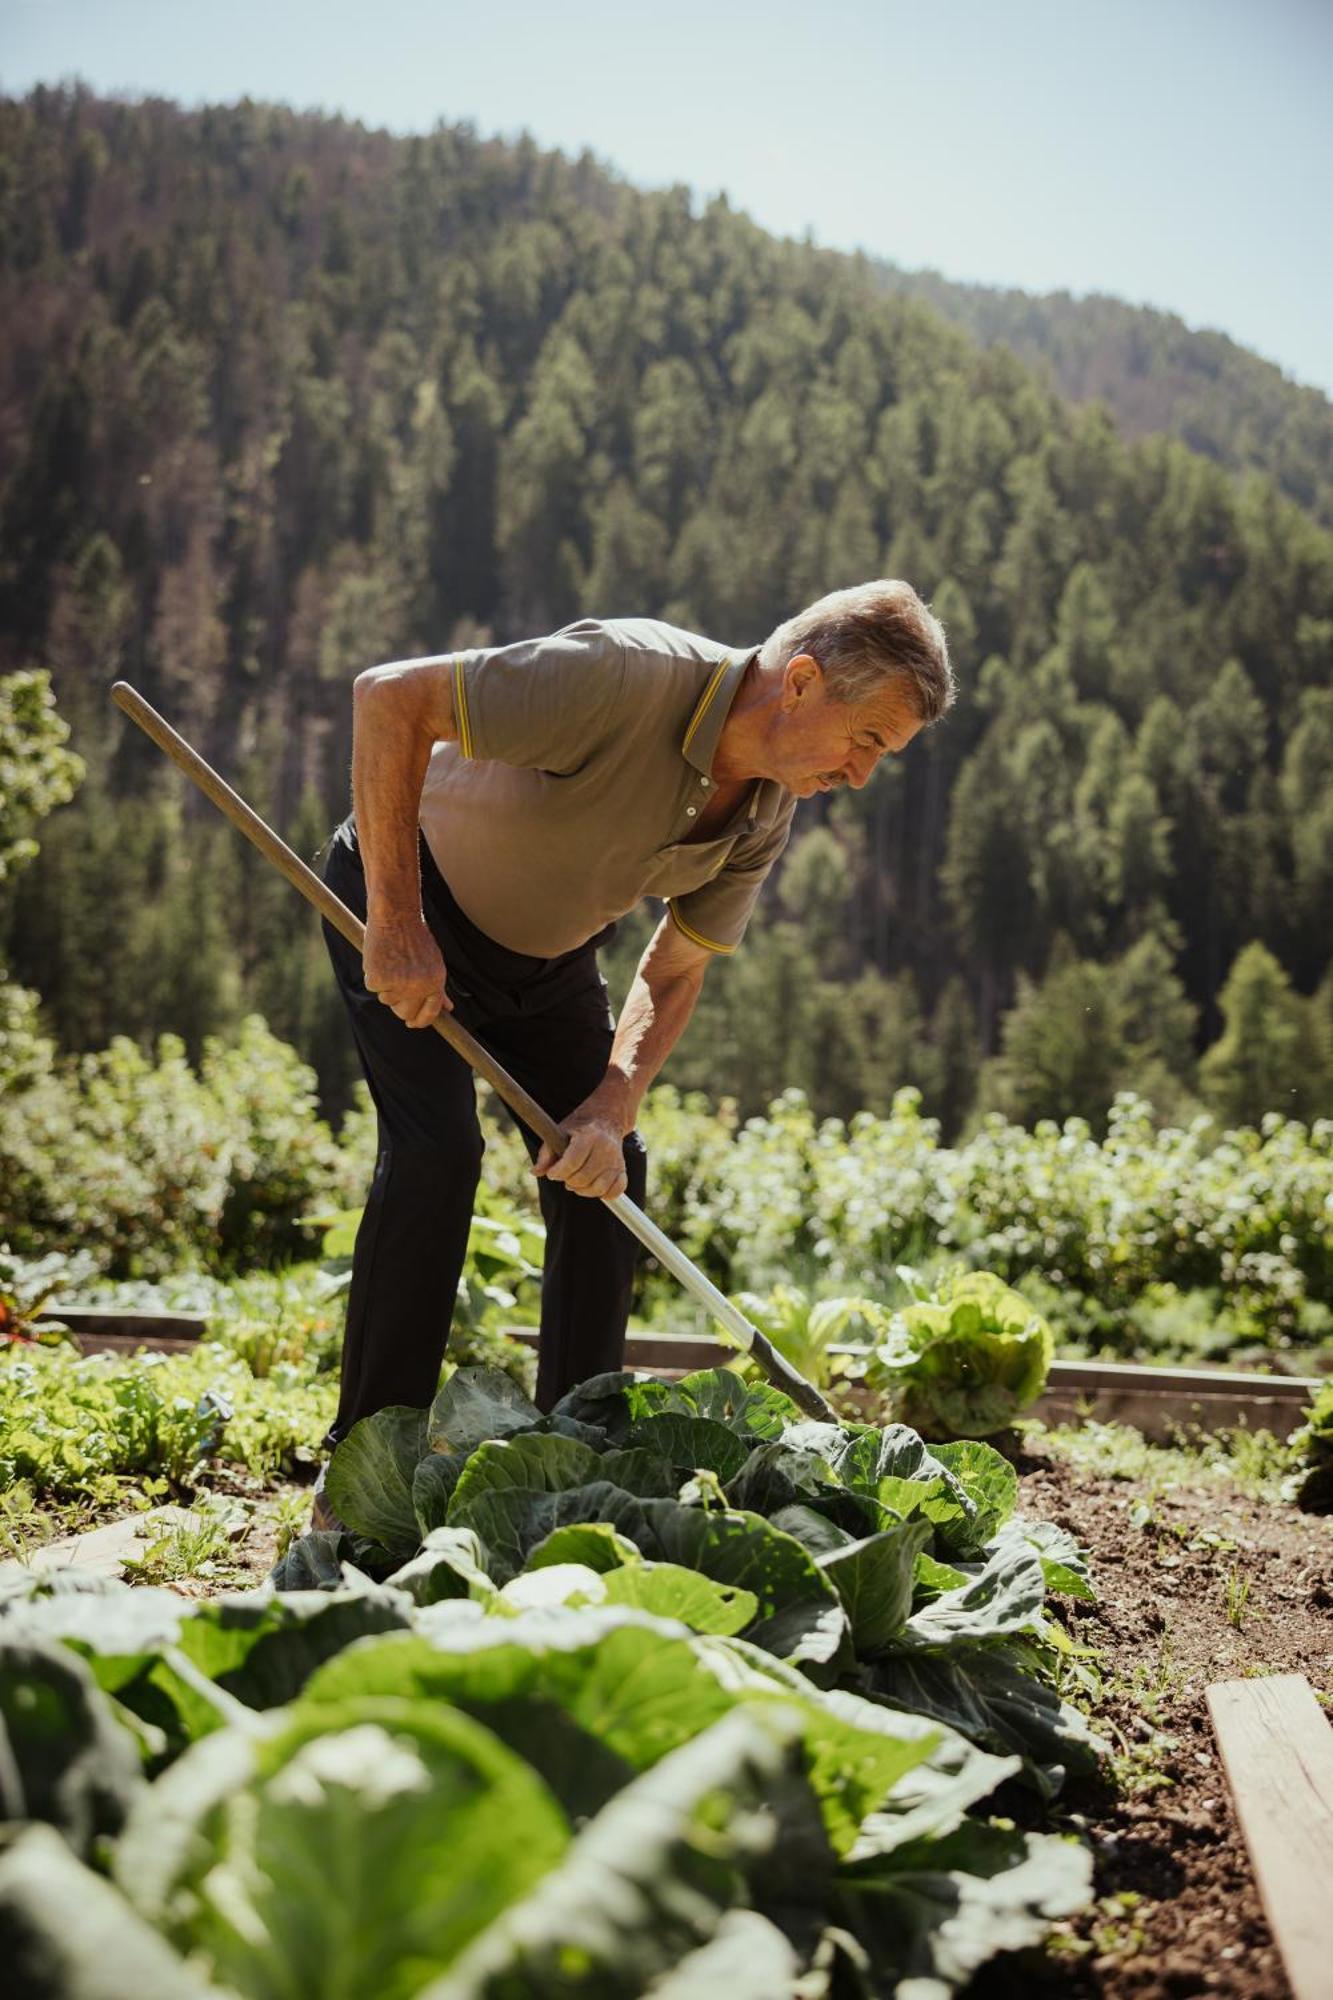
[101,1332]
[1162,1411]
[105,1551]
[134,1343]
[1277,1748]
[1200,1381]
[138,1325]
[659,1352]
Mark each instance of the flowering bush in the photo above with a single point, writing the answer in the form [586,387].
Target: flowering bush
[1135,1220]
[147,1165]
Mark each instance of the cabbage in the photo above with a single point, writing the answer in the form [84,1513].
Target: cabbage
[965,1362]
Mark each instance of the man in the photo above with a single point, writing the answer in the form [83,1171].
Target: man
[508,806]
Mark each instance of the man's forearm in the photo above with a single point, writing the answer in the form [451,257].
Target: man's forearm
[652,1020]
[390,753]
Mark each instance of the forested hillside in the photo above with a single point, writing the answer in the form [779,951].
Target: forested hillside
[1155,374]
[281,398]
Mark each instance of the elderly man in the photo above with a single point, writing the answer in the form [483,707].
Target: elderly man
[509,805]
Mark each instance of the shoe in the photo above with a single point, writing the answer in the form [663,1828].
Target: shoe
[322,1517]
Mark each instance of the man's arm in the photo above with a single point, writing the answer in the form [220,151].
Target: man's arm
[652,1020]
[399,713]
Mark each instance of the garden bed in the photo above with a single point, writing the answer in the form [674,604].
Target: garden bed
[1197,1581]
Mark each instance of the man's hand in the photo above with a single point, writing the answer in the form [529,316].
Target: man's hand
[593,1163]
[402,963]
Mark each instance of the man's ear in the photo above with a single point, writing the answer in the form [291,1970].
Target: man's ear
[801,675]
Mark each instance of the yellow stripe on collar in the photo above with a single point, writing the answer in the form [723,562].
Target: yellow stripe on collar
[705,700]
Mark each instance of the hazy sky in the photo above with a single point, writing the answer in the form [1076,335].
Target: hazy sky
[1175,153]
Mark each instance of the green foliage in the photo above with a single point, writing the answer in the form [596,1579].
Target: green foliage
[26,1285]
[802,1328]
[934,1564]
[1312,1486]
[76,1426]
[694,1721]
[37,772]
[1105,1225]
[149,1164]
[609,416]
[1088,1030]
[1262,1061]
[1152,373]
[966,1357]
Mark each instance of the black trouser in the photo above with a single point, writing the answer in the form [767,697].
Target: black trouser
[548,1021]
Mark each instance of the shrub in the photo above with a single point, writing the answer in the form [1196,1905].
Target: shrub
[149,1166]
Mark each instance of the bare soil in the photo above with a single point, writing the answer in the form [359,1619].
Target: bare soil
[1195,1585]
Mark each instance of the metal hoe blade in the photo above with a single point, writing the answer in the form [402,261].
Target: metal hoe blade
[745,1335]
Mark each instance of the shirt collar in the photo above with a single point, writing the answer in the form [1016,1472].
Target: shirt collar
[705,727]
[712,709]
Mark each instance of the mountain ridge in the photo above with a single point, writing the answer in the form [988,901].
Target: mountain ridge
[283,398]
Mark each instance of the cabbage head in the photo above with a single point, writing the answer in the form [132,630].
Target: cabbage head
[964,1361]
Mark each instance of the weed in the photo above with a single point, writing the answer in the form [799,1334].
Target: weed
[1113,1937]
[1235,1597]
[1152,1686]
[1062,1943]
[290,1515]
[195,1547]
[1156,1684]
[1207,1538]
[1138,1768]
[1252,1463]
[23,1529]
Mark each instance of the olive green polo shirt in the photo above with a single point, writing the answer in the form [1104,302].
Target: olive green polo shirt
[582,761]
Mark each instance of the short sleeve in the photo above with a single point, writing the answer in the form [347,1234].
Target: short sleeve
[541,703]
[717,913]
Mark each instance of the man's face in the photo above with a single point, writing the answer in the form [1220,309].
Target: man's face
[824,744]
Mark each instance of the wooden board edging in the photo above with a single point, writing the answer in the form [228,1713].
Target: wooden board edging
[101,1332]
[1156,1401]
[1277,1750]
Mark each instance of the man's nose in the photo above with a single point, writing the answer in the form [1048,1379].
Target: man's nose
[860,766]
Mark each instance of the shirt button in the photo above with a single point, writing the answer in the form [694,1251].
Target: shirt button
[704,783]
[689,812]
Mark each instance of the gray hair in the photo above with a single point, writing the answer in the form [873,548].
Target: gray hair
[865,636]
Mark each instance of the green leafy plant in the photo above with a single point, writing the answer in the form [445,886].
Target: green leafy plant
[965,1358]
[747,1684]
[865,1552]
[27,1285]
[803,1328]
[1311,1485]
[83,1427]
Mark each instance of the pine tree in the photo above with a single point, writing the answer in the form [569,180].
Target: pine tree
[1064,1048]
[1262,1060]
[956,1049]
